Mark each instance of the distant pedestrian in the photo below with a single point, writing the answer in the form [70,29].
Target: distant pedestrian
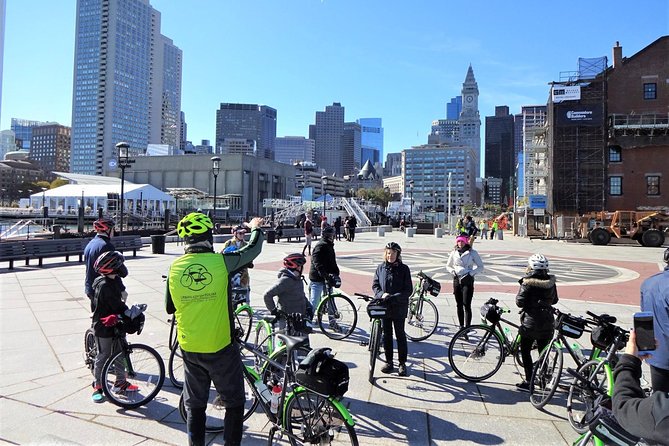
[471,229]
[324,222]
[308,234]
[464,263]
[337,226]
[352,223]
[347,228]
[494,228]
[483,226]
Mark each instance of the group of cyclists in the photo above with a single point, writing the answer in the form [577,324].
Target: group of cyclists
[204,311]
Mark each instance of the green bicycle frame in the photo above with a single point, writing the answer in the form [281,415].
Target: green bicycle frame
[323,299]
[335,402]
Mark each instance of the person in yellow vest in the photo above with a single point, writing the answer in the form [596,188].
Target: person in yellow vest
[197,294]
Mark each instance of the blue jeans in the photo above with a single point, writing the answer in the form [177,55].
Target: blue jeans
[315,292]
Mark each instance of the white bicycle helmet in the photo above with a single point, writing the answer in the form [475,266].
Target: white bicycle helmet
[537,262]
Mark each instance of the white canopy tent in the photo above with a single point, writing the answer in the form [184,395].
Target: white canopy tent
[142,199]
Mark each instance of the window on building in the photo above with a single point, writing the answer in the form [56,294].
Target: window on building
[653,185]
[615,185]
[650,91]
[615,154]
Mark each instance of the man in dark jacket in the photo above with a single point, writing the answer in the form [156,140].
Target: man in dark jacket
[646,417]
[323,265]
[352,224]
[536,297]
[104,227]
[392,283]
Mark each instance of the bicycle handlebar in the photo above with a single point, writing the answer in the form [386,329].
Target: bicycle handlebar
[602,318]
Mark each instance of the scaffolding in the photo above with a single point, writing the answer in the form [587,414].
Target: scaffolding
[577,151]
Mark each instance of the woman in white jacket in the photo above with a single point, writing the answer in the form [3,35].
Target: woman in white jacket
[464,263]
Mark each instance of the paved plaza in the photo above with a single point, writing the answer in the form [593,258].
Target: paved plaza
[45,386]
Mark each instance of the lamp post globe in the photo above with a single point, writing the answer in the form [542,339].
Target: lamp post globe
[215,169]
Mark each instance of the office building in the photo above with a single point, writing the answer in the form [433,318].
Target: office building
[183,132]
[23,129]
[127,83]
[393,165]
[328,135]
[50,147]
[247,121]
[371,140]
[239,146]
[469,120]
[500,159]
[444,131]
[352,148]
[453,108]
[294,149]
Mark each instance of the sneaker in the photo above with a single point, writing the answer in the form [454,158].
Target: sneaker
[123,387]
[465,337]
[388,368]
[524,386]
[402,370]
[98,396]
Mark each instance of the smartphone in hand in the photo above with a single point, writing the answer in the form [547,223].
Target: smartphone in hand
[645,334]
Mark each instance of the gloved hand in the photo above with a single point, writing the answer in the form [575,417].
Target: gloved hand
[274,311]
[238,333]
[109,321]
[333,281]
[124,295]
[297,317]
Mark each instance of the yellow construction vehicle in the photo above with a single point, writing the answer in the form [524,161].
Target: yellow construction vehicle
[648,228]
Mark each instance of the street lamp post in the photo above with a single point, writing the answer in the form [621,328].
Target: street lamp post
[123,163]
[411,198]
[215,169]
[324,182]
[449,202]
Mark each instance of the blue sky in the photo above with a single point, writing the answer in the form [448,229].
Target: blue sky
[398,60]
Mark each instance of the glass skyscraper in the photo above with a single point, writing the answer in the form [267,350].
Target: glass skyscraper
[247,121]
[371,140]
[127,83]
[23,129]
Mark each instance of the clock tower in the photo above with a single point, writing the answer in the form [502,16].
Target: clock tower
[470,121]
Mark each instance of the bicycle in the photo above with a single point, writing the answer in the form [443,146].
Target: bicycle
[340,312]
[548,368]
[484,347]
[593,380]
[302,414]
[423,315]
[138,366]
[243,321]
[266,340]
[376,310]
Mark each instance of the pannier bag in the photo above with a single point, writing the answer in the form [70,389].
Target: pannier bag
[602,336]
[133,325]
[605,427]
[377,309]
[432,286]
[570,326]
[491,313]
[320,372]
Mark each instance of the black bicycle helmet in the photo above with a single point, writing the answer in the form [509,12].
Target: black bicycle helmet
[104,225]
[109,262]
[328,233]
[195,227]
[294,261]
[395,247]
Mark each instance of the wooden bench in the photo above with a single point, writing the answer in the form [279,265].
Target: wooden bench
[296,233]
[41,249]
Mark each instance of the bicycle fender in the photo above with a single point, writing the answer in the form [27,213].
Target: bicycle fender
[243,307]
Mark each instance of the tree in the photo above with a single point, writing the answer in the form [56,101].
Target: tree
[58,182]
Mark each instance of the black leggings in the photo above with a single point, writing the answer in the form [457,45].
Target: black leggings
[401,336]
[463,289]
[526,342]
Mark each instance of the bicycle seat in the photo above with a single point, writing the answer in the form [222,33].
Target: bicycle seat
[292,342]
[270,319]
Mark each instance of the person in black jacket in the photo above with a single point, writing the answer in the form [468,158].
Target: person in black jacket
[107,303]
[392,283]
[323,265]
[536,297]
[646,417]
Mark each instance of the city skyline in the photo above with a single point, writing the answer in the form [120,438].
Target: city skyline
[403,66]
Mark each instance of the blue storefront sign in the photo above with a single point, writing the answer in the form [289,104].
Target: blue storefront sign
[537,201]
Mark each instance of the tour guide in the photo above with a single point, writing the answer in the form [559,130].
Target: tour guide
[197,293]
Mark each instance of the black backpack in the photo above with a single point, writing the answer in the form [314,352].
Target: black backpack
[320,372]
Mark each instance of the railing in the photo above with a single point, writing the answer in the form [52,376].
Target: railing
[640,121]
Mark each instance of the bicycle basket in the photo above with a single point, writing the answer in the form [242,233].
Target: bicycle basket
[605,427]
[570,326]
[491,312]
[134,325]
[320,372]
[377,310]
[431,286]
[602,336]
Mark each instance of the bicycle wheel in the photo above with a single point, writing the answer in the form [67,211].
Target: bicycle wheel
[133,377]
[583,397]
[311,418]
[90,349]
[546,376]
[173,332]
[337,316]
[475,353]
[263,342]
[216,410]
[244,320]
[374,343]
[175,367]
[423,319]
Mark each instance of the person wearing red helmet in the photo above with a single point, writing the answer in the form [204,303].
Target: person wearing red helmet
[104,227]
[289,289]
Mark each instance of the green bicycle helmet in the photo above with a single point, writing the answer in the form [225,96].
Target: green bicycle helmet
[195,227]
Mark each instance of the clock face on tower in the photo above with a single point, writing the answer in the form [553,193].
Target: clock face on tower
[470,99]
